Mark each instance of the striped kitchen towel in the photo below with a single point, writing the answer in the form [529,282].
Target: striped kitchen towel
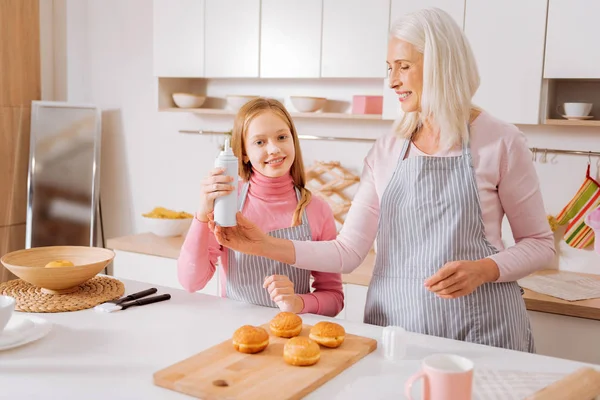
[586,200]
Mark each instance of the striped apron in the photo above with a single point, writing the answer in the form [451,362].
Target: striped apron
[430,214]
[246,273]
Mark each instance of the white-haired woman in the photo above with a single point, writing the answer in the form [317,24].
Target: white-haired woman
[434,194]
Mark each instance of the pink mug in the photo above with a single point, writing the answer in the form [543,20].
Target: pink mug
[445,377]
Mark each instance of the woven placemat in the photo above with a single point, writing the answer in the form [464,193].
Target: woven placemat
[89,294]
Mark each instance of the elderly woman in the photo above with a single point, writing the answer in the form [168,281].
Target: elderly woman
[433,194]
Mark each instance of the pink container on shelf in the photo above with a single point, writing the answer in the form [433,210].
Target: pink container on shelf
[593,221]
[367,104]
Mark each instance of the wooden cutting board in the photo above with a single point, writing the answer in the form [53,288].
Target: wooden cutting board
[222,373]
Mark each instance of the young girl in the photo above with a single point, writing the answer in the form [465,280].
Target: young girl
[272,195]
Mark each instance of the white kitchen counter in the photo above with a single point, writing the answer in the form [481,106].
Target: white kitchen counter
[90,355]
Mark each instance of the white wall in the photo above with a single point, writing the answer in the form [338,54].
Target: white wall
[146,162]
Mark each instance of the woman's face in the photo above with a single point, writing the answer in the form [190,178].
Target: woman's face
[269,145]
[405,70]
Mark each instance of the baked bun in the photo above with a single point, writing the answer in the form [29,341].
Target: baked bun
[250,339]
[328,334]
[300,351]
[286,325]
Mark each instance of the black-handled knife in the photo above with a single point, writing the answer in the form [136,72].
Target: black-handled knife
[142,302]
[138,295]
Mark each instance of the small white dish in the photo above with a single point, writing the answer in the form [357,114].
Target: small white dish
[577,117]
[23,329]
[188,100]
[308,104]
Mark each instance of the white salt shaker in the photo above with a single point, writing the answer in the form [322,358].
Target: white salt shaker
[394,341]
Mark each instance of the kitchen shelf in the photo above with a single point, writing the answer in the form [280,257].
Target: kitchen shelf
[318,115]
[567,122]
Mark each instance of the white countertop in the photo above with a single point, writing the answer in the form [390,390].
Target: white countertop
[90,355]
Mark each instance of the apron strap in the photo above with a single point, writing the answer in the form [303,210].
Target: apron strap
[243,196]
[466,149]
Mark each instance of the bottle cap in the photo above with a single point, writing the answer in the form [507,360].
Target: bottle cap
[227,148]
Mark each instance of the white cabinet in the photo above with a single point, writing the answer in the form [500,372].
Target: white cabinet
[555,335]
[354,38]
[178,38]
[231,38]
[355,298]
[153,270]
[572,49]
[456,8]
[508,41]
[290,38]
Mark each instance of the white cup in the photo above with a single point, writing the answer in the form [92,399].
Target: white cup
[7,307]
[576,109]
[394,341]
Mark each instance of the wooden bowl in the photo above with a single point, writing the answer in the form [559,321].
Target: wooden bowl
[28,264]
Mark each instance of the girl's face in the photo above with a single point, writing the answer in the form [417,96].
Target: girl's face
[405,69]
[269,145]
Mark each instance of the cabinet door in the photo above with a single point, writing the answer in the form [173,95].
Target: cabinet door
[153,270]
[20,77]
[456,8]
[572,49]
[354,38]
[231,38]
[14,164]
[509,48]
[179,38]
[290,38]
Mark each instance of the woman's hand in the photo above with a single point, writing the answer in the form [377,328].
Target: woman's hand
[281,290]
[460,278]
[245,237]
[213,186]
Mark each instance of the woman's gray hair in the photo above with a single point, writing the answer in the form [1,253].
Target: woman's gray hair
[450,75]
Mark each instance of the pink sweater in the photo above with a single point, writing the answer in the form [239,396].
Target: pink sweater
[507,184]
[270,204]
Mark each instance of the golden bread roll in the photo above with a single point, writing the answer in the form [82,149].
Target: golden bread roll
[59,264]
[286,325]
[301,351]
[250,339]
[328,334]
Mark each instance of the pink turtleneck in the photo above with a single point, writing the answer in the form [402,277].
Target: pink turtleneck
[270,204]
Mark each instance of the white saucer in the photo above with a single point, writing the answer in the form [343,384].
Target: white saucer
[23,329]
[578,117]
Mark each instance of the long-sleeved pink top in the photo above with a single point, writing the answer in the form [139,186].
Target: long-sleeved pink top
[507,184]
[270,204]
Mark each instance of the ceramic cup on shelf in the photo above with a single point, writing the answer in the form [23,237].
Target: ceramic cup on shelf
[445,377]
[575,109]
[7,307]
[394,341]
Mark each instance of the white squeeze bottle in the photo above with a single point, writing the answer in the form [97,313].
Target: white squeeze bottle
[227,206]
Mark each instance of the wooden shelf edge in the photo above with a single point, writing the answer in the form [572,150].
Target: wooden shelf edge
[217,111]
[569,310]
[567,122]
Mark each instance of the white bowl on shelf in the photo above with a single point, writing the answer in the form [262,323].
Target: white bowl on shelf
[308,104]
[235,102]
[188,100]
[166,227]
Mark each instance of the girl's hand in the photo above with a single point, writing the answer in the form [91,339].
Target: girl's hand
[281,290]
[213,186]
